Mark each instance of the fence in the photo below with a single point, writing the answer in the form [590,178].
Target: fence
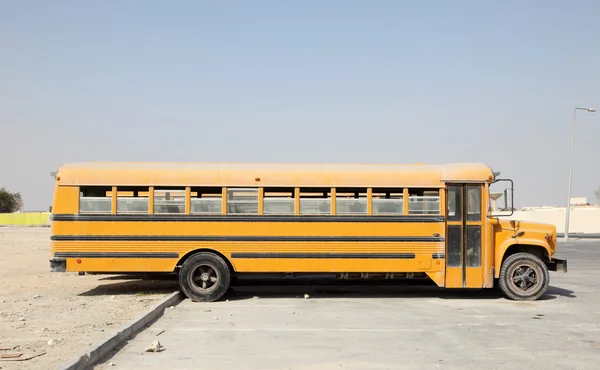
[25,219]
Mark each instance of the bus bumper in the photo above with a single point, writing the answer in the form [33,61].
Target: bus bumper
[58,265]
[557,265]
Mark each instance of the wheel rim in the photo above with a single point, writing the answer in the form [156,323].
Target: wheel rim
[526,278]
[205,278]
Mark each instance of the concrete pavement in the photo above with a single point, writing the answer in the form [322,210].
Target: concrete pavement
[383,327]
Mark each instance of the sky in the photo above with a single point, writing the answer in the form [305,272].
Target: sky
[306,81]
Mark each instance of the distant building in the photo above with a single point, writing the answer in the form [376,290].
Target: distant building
[580,201]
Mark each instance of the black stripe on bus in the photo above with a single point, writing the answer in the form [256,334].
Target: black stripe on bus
[114,255]
[211,238]
[246,255]
[248,218]
[326,255]
[438,256]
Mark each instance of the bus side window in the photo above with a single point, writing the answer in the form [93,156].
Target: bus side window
[424,202]
[350,201]
[95,199]
[169,200]
[315,201]
[132,199]
[388,201]
[206,200]
[242,201]
[278,201]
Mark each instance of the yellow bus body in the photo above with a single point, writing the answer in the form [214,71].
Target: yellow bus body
[292,218]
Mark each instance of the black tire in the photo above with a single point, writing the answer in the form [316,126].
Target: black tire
[196,277]
[524,277]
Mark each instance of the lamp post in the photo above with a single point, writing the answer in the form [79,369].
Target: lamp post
[591,110]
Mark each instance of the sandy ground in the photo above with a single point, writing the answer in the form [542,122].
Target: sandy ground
[61,314]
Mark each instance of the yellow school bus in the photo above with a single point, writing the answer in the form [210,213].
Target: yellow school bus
[211,222]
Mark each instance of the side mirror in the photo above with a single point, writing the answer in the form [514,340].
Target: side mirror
[508,191]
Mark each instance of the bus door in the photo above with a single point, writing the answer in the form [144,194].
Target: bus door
[464,221]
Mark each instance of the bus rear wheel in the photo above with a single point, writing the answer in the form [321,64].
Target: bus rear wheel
[524,277]
[204,277]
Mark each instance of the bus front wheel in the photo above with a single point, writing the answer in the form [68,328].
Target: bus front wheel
[204,277]
[524,277]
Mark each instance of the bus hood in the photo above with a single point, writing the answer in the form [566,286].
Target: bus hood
[528,232]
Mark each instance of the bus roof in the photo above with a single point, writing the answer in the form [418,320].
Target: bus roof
[268,174]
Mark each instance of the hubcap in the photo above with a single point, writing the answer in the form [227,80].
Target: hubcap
[525,278]
[204,278]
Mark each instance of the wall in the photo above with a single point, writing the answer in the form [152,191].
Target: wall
[25,219]
[583,219]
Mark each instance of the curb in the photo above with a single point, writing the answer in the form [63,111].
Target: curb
[92,356]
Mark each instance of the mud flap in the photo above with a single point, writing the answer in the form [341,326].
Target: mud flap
[557,265]
[58,265]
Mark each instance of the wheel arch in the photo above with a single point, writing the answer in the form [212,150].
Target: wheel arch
[510,247]
[203,250]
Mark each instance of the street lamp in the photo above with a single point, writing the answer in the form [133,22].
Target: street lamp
[591,110]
